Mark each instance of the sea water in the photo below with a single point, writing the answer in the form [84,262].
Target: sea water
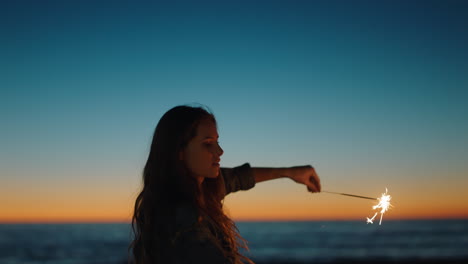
[356,241]
[437,241]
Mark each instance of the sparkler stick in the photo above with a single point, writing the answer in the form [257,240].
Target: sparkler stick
[352,195]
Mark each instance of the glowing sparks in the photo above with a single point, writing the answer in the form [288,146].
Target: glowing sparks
[384,204]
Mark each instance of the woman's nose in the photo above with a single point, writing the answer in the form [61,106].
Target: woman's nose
[220,150]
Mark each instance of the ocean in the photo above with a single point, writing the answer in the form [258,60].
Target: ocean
[416,241]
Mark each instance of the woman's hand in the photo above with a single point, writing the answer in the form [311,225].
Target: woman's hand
[305,175]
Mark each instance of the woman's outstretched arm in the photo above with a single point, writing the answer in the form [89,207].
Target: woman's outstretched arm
[301,174]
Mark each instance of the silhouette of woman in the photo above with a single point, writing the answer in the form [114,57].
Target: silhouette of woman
[178,215]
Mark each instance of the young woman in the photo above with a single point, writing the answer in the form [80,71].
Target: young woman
[178,215]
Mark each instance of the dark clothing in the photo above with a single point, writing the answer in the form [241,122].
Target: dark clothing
[194,242]
[238,179]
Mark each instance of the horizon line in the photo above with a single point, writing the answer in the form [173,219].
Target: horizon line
[259,220]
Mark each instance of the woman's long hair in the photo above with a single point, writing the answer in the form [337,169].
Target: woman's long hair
[167,182]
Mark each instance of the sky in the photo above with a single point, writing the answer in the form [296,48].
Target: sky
[371,93]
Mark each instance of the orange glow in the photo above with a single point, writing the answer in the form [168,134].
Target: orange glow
[260,204]
[333,210]
[60,205]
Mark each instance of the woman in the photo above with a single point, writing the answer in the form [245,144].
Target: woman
[178,215]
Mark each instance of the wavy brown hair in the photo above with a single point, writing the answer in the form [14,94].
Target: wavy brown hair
[167,182]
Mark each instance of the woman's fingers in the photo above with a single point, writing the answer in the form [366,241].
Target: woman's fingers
[306,175]
[315,180]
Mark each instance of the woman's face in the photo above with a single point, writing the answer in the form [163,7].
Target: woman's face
[202,154]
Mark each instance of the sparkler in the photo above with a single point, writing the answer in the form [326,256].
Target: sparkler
[383,203]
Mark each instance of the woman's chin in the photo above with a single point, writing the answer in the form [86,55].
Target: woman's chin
[214,173]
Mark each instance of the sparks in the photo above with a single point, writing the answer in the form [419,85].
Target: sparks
[384,204]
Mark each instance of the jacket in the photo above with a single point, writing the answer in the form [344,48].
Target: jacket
[194,242]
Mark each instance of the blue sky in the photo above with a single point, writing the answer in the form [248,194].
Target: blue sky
[368,90]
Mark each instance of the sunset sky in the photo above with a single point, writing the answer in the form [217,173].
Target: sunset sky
[373,94]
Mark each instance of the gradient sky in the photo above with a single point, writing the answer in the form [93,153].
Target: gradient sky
[373,94]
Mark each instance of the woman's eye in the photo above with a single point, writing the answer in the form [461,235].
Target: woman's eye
[211,143]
